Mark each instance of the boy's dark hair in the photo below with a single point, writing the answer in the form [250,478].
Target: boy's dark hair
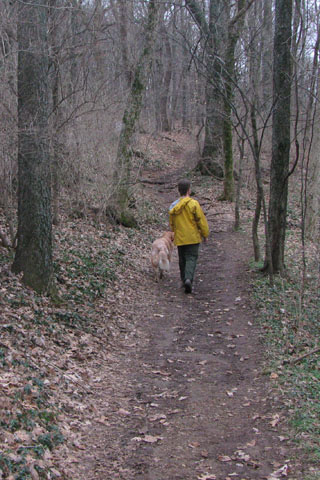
[183,186]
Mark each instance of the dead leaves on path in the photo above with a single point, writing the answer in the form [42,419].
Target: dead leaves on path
[50,353]
[207,476]
[282,472]
[147,439]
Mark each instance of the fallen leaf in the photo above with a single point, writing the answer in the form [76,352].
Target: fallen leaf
[231,392]
[22,436]
[123,412]
[55,472]
[280,473]
[161,372]
[241,455]
[190,349]
[151,439]
[33,472]
[77,444]
[275,420]
[224,458]
[103,420]
[207,476]
[160,416]
[194,445]
[251,444]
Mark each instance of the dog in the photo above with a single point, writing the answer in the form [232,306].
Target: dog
[161,252]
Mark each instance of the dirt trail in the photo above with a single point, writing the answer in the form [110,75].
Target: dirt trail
[184,396]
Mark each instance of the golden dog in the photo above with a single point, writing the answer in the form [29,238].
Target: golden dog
[161,254]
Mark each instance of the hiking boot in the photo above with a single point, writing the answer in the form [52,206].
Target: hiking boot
[188,286]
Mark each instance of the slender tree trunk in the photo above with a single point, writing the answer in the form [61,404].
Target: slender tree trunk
[34,249]
[312,221]
[266,60]
[259,197]
[73,77]
[131,116]
[124,34]
[280,132]
[165,84]
[55,150]
[234,30]
[241,146]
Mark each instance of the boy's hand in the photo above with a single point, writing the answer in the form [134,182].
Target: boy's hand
[205,239]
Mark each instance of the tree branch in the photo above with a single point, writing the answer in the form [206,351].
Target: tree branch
[198,16]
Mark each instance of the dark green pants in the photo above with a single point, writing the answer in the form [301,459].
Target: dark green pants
[188,256]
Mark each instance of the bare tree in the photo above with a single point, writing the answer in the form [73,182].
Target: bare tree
[221,33]
[34,250]
[131,116]
[280,133]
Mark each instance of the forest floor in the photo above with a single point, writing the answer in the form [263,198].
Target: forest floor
[165,386]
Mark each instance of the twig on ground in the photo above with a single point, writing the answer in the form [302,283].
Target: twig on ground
[298,359]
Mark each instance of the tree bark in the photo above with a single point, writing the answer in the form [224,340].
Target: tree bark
[131,115]
[34,250]
[162,104]
[280,133]
[213,33]
[266,57]
[221,36]
[312,221]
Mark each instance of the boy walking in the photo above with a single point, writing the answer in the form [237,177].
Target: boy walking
[190,227]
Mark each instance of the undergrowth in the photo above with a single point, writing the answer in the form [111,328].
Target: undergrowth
[289,316]
[46,346]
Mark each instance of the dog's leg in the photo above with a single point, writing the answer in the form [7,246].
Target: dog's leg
[158,275]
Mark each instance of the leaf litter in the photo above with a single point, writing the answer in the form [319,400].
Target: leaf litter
[50,353]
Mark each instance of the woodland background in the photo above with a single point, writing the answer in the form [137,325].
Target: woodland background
[81,79]
[93,95]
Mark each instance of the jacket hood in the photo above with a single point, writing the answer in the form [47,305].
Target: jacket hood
[177,206]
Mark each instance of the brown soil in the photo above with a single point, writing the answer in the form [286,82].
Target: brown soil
[183,396]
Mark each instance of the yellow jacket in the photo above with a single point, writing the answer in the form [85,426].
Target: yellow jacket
[187,221]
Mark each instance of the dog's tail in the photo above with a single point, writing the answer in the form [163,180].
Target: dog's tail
[164,263]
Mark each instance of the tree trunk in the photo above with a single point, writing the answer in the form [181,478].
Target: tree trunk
[266,60]
[280,132]
[123,21]
[234,30]
[213,33]
[131,116]
[312,221]
[34,249]
[214,124]
[259,197]
[56,113]
[165,83]
[241,146]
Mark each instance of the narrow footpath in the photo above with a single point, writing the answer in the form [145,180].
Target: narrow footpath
[184,396]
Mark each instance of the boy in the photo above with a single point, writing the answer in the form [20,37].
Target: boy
[190,227]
